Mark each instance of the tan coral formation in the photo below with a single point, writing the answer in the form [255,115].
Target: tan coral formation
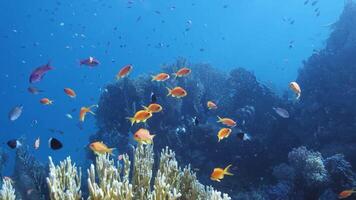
[110,181]
[7,192]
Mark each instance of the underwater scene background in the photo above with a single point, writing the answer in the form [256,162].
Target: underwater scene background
[259,105]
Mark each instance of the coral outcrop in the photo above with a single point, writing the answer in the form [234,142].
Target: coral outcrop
[107,180]
[7,192]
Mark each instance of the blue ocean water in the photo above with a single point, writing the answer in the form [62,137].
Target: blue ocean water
[258,35]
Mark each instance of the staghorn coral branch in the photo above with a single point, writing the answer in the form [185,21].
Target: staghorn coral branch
[7,192]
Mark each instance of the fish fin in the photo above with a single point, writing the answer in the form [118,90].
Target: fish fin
[146,108]
[169,91]
[219,119]
[226,170]
[175,75]
[92,106]
[111,150]
[91,112]
[132,120]
[153,78]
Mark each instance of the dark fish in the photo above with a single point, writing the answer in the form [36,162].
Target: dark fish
[34,90]
[314,3]
[91,62]
[153,97]
[243,136]
[306,2]
[39,72]
[54,144]
[14,143]
[138,19]
[292,22]
[196,121]
[15,113]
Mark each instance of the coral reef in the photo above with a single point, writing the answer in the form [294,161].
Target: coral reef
[108,180]
[7,192]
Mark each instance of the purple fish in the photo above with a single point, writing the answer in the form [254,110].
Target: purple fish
[281,112]
[39,72]
[91,62]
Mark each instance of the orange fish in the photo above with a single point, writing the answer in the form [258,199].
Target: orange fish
[346,193]
[224,133]
[36,145]
[218,173]
[182,72]
[227,121]
[211,105]
[140,116]
[296,89]
[153,108]
[177,92]
[46,101]
[125,71]
[84,110]
[161,77]
[100,148]
[70,92]
[143,136]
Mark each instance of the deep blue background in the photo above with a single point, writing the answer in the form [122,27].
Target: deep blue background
[224,33]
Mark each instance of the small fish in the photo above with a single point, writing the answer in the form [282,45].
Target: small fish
[227,121]
[306,2]
[224,133]
[243,136]
[91,62]
[219,173]
[281,112]
[314,3]
[39,72]
[195,121]
[84,110]
[295,88]
[153,108]
[46,101]
[177,92]
[100,148]
[153,97]
[160,77]
[36,145]
[140,116]
[346,193]
[34,90]
[70,92]
[182,72]
[15,113]
[211,105]
[54,144]
[14,143]
[143,136]
[69,116]
[124,71]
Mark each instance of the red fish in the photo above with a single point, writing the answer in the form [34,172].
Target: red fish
[39,72]
[70,92]
[125,71]
[91,62]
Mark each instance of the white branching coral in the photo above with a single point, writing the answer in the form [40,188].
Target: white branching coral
[108,180]
[7,192]
[64,181]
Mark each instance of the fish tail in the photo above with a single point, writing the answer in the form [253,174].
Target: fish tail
[219,119]
[226,170]
[146,108]
[132,120]
[153,78]
[110,151]
[298,96]
[92,106]
[169,91]
[175,75]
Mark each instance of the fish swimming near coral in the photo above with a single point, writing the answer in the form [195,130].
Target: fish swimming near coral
[84,110]
[224,133]
[39,73]
[14,143]
[294,86]
[143,136]
[177,92]
[182,72]
[140,116]
[153,108]
[160,77]
[91,62]
[15,113]
[70,92]
[153,97]
[36,144]
[346,193]
[211,105]
[219,173]
[124,71]
[281,112]
[227,121]
[100,148]
[46,101]
[54,143]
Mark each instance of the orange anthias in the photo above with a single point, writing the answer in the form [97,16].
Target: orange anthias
[153,108]
[211,105]
[227,121]
[125,71]
[143,136]
[224,133]
[100,148]
[46,101]
[70,92]
[346,193]
[182,72]
[161,77]
[177,92]
[140,116]
[219,173]
[84,110]
[296,89]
